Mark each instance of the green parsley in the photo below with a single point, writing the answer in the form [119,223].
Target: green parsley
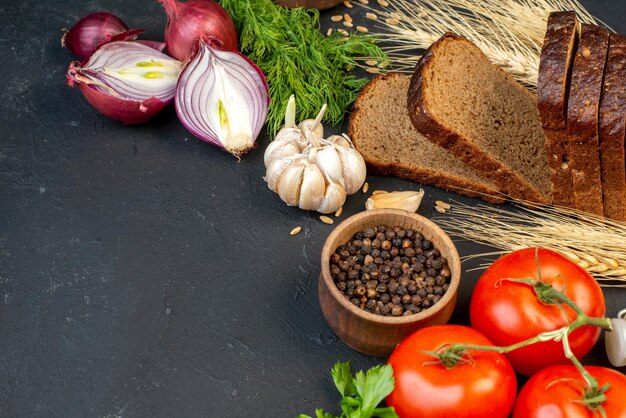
[298,59]
[361,394]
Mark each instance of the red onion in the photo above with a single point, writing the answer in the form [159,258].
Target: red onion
[95,29]
[222,98]
[159,46]
[194,19]
[126,81]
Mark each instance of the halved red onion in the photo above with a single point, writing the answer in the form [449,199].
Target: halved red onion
[222,98]
[126,81]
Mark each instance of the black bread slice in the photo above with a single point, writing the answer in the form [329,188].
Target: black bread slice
[555,70]
[464,103]
[382,132]
[613,129]
[582,117]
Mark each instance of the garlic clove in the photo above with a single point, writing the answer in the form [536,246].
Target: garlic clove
[313,187]
[339,140]
[307,125]
[290,181]
[314,126]
[275,170]
[409,201]
[329,162]
[334,198]
[278,148]
[354,170]
[291,134]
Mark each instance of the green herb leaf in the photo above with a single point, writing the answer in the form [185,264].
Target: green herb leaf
[342,376]
[373,387]
[298,59]
[388,412]
[361,394]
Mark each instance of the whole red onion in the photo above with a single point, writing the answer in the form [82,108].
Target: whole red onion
[194,19]
[93,30]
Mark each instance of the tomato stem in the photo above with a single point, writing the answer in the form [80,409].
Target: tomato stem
[455,354]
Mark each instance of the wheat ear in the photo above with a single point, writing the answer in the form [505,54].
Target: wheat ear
[595,243]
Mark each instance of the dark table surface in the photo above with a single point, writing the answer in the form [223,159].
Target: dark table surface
[146,273]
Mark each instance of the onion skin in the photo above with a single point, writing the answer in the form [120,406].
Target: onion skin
[159,46]
[94,30]
[126,81]
[192,20]
[128,112]
[222,98]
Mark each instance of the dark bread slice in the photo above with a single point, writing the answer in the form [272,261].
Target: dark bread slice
[555,70]
[464,103]
[613,130]
[582,117]
[382,132]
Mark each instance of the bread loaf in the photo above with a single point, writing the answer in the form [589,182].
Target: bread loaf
[382,132]
[582,117]
[613,129]
[555,67]
[462,102]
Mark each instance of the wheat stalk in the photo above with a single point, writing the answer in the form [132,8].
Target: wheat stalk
[510,32]
[597,244]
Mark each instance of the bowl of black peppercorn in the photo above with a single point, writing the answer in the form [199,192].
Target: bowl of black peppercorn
[386,273]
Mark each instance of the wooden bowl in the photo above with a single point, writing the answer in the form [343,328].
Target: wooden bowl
[373,334]
[309,4]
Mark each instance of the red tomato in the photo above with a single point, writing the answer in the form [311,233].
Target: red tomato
[483,387]
[555,392]
[508,312]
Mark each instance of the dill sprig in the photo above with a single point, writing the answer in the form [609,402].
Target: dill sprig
[298,59]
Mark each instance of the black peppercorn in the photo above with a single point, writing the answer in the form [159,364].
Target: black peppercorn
[360,290]
[390,271]
[369,232]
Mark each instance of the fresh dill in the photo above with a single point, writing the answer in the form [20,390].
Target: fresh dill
[298,59]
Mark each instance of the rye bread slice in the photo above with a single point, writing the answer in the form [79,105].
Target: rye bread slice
[555,70]
[613,130]
[582,117]
[462,102]
[382,132]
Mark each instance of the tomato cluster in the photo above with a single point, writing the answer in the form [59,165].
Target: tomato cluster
[504,310]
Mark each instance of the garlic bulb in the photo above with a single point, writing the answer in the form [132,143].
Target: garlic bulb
[311,172]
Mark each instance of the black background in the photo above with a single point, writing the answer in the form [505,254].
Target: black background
[146,273]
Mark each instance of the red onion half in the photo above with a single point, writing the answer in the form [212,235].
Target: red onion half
[96,29]
[126,81]
[222,98]
[194,19]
